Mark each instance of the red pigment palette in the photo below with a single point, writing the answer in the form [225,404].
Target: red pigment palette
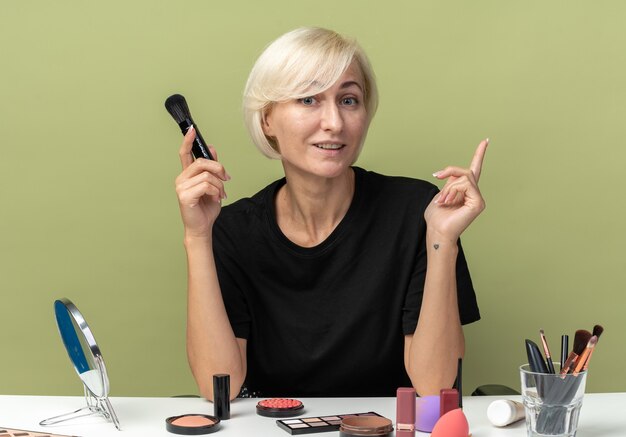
[309,425]
[279,407]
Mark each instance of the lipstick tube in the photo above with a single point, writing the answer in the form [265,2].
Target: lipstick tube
[405,412]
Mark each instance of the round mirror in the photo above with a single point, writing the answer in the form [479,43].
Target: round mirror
[87,359]
[81,347]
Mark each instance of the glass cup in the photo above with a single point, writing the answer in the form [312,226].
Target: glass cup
[552,402]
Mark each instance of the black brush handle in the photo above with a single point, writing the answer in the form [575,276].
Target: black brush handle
[564,349]
[535,359]
[537,365]
[199,148]
[459,381]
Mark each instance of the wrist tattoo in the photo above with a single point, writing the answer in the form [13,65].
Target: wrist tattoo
[436,246]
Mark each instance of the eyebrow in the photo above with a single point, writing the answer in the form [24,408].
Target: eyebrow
[349,84]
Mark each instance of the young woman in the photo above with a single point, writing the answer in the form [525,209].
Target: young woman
[333,281]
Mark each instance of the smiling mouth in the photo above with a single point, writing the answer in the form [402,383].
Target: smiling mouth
[330,146]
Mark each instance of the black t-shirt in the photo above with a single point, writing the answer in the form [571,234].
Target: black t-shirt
[330,320]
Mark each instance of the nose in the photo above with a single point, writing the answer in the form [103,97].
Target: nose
[331,118]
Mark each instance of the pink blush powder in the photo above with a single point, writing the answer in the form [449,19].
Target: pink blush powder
[193,421]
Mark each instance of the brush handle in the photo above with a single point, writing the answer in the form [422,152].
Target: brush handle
[199,148]
[571,359]
[550,365]
[535,358]
[586,366]
[564,349]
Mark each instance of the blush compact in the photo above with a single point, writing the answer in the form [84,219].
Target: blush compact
[279,407]
[192,424]
[357,426]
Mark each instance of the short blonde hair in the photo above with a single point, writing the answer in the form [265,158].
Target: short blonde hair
[301,63]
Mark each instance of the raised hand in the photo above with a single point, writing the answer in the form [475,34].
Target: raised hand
[459,202]
[200,189]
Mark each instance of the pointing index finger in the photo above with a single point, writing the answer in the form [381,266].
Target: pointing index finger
[477,161]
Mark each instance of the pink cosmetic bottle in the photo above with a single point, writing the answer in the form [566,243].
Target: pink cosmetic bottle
[405,412]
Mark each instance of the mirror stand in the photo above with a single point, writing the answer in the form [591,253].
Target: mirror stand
[94,406]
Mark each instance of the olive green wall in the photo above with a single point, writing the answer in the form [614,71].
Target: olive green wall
[88,156]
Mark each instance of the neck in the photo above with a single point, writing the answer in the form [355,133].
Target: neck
[309,208]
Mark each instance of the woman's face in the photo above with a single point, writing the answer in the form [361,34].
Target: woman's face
[321,134]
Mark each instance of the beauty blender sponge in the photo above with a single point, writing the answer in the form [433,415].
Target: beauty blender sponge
[452,424]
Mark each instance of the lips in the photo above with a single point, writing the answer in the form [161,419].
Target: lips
[329,146]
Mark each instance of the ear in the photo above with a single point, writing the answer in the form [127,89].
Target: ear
[265,124]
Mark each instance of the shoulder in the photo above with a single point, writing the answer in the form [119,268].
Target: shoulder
[247,214]
[394,187]
[249,207]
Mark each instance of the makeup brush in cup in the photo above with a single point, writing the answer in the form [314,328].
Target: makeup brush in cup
[546,350]
[580,362]
[597,331]
[569,362]
[535,359]
[560,391]
[581,340]
[564,349]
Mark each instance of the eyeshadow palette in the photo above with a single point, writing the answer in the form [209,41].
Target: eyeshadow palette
[308,425]
[6,432]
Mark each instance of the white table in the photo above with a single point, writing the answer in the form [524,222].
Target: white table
[603,415]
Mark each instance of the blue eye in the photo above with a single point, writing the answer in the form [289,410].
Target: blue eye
[349,101]
[308,101]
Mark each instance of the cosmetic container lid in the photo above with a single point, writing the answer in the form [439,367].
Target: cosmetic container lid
[221,396]
[504,412]
[221,382]
[405,405]
[448,400]
[365,426]
[192,424]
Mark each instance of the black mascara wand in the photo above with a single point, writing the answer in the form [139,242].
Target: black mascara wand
[176,105]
